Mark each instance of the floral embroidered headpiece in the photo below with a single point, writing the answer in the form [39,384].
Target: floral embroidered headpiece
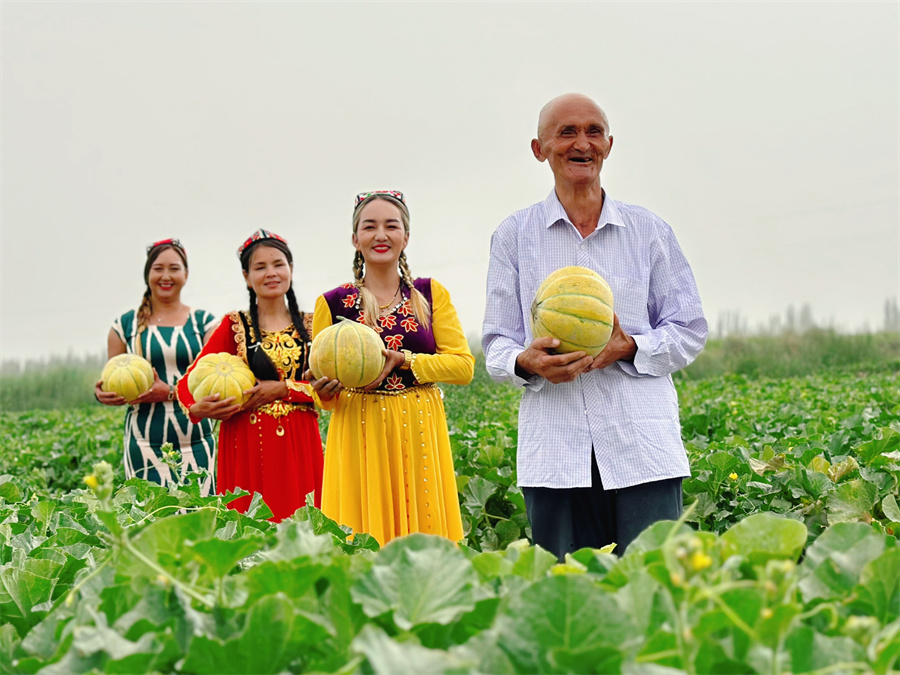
[258,236]
[163,242]
[363,196]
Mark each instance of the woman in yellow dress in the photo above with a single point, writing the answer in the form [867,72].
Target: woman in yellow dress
[388,467]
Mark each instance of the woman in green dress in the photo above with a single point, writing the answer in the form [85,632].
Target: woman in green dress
[169,334]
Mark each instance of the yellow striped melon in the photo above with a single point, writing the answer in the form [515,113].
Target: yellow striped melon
[348,352]
[129,375]
[224,374]
[574,305]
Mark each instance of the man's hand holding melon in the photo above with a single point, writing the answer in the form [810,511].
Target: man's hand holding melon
[574,326]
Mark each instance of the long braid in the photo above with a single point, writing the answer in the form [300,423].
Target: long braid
[298,319]
[142,316]
[367,301]
[359,269]
[257,359]
[254,319]
[420,305]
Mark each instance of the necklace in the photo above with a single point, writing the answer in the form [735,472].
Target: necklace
[392,298]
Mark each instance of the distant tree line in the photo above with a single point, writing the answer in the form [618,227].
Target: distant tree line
[796,322]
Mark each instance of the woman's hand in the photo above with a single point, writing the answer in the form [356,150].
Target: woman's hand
[107,397]
[325,388]
[264,391]
[211,407]
[158,391]
[392,360]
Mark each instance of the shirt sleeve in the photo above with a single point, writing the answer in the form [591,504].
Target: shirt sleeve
[678,328]
[120,327]
[321,320]
[207,321]
[222,340]
[504,335]
[453,362]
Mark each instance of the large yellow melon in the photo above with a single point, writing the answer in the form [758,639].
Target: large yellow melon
[348,352]
[574,305]
[129,375]
[224,374]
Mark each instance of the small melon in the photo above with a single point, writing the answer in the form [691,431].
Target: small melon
[222,373]
[128,375]
[574,305]
[349,352]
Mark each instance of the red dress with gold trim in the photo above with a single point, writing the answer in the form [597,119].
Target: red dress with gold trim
[275,449]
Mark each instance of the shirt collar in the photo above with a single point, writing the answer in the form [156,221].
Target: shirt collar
[609,214]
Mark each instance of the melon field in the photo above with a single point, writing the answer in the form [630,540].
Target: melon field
[786,561]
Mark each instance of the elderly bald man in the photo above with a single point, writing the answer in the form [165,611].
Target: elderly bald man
[600,456]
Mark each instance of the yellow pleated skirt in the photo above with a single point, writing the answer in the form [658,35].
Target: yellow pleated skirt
[388,465]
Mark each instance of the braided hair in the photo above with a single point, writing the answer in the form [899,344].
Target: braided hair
[145,309]
[368,303]
[257,359]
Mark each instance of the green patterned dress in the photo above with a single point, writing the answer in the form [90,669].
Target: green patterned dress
[169,349]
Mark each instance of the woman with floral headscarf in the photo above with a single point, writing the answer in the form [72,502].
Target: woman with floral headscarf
[388,466]
[271,443]
[169,334]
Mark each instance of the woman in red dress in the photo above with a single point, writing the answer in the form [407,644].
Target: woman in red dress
[271,443]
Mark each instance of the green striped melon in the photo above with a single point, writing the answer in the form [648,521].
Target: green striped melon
[575,306]
[129,375]
[221,373]
[348,352]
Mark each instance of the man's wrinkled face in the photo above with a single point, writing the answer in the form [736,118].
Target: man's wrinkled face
[573,136]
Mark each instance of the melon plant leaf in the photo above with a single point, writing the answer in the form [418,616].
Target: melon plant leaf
[563,623]
[9,641]
[259,648]
[879,586]
[9,490]
[491,564]
[344,615]
[887,441]
[296,539]
[421,579]
[763,537]
[832,565]
[533,563]
[387,656]
[884,649]
[890,508]
[293,578]
[655,536]
[221,556]
[810,484]
[812,651]
[165,542]
[852,501]
[122,655]
[476,495]
[24,590]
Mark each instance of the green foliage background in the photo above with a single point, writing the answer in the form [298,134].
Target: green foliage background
[786,560]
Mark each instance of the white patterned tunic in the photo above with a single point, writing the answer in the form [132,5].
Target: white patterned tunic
[169,349]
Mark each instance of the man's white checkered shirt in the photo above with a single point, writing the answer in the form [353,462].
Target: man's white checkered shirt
[627,412]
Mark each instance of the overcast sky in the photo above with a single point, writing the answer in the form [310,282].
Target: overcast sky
[766,134]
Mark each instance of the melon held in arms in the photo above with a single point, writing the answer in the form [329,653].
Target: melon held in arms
[224,374]
[129,375]
[348,352]
[575,306]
